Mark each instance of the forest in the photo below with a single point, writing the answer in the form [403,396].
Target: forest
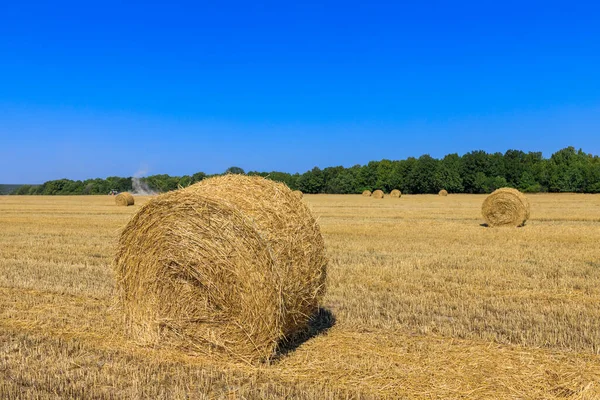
[567,170]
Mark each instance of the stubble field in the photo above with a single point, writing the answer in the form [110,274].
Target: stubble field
[423,302]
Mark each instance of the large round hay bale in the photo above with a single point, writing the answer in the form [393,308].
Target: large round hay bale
[366,193]
[443,192]
[506,207]
[233,263]
[377,194]
[124,199]
[291,230]
[298,194]
[396,194]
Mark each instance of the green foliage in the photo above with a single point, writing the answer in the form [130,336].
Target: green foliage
[197,177]
[235,170]
[567,170]
[449,174]
[312,181]
[8,189]
[425,176]
[23,190]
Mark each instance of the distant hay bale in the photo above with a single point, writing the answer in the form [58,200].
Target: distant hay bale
[233,264]
[124,199]
[506,207]
[298,194]
[377,194]
[396,193]
[366,193]
[443,192]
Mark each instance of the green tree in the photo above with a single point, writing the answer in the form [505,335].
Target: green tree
[22,190]
[449,174]
[198,176]
[344,182]
[311,181]
[235,170]
[385,176]
[474,166]
[514,166]
[425,176]
[367,176]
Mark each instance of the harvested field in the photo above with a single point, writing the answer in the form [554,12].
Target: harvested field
[451,310]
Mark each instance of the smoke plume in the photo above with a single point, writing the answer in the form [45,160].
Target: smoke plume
[140,187]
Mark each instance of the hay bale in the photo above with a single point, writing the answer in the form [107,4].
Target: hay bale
[298,194]
[366,193]
[506,207]
[124,199]
[396,194]
[291,230]
[233,263]
[377,194]
[443,192]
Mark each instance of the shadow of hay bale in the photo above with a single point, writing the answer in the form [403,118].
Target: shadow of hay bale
[318,324]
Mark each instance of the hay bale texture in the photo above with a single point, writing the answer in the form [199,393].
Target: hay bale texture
[443,192]
[233,264]
[124,199]
[396,194]
[506,207]
[377,194]
[298,194]
[366,193]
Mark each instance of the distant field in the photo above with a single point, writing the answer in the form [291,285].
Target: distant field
[7,189]
[428,304]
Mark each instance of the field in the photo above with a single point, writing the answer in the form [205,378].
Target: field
[423,302]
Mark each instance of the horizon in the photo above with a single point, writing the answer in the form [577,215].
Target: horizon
[111,90]
[143,174]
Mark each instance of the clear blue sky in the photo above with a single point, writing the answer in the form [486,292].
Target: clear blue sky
[93,90]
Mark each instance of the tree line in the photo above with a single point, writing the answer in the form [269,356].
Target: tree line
[567,170]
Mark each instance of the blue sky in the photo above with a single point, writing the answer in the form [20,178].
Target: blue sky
[94,90]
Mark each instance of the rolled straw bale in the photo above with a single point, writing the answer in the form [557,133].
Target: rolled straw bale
[124,199]
[377,194]
[292,232]
[396,193]
[366,193]
[233,264]
[506,207]
[298,194]
[443,192]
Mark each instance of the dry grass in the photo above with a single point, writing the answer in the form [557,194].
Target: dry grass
[428,304]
